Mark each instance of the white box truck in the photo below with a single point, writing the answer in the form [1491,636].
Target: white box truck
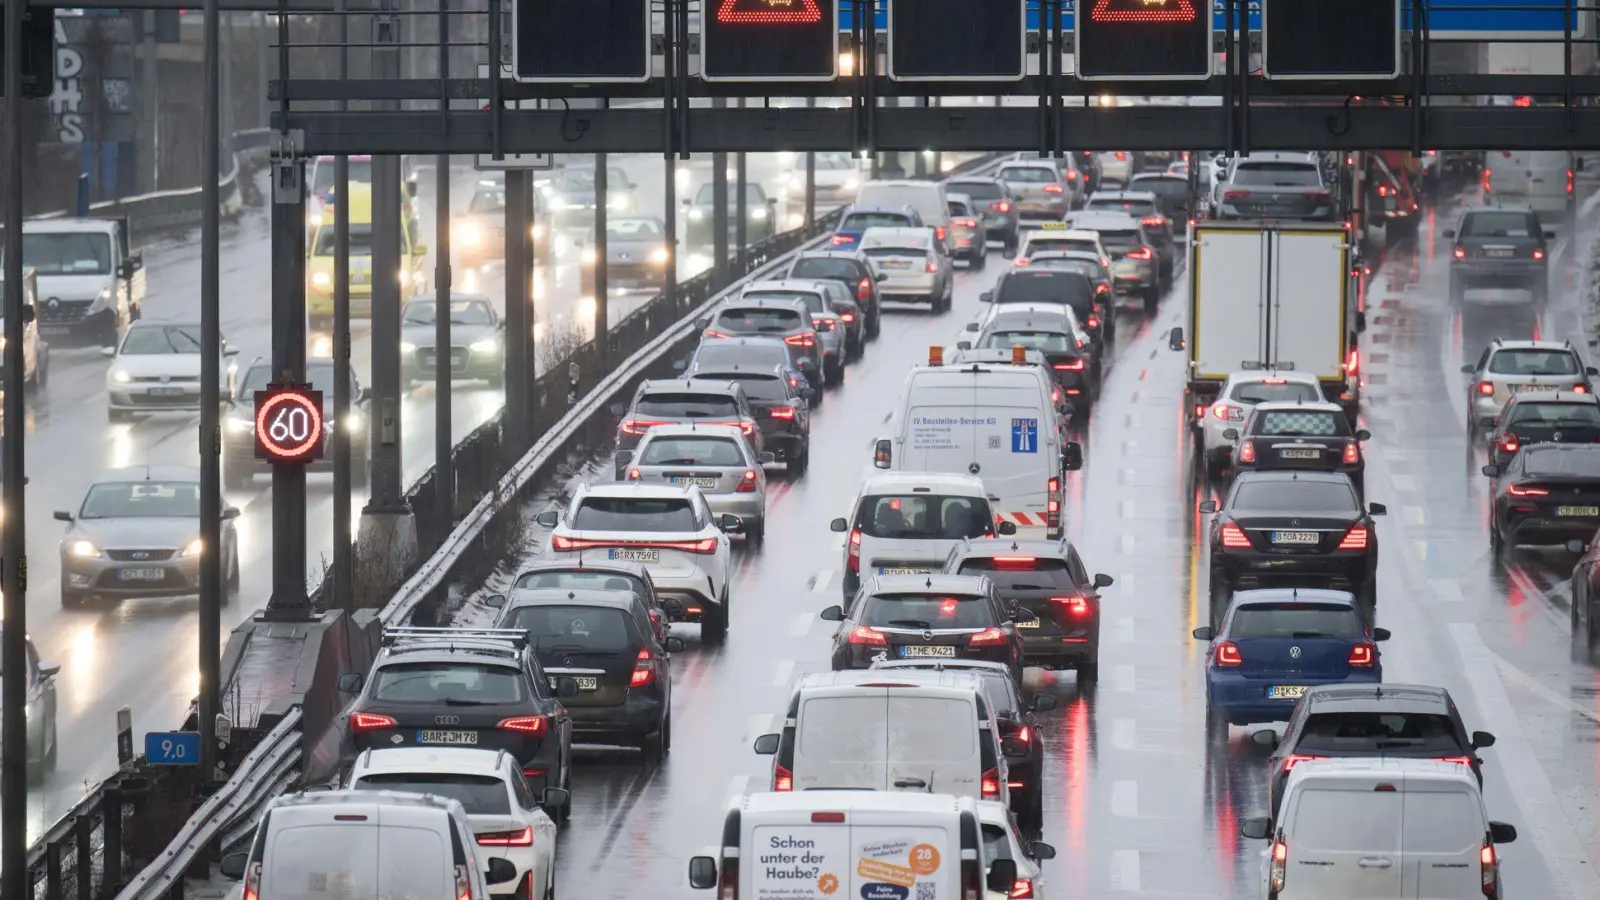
[1271,296]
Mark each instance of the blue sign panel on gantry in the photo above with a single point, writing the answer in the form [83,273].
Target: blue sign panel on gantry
[1480,19]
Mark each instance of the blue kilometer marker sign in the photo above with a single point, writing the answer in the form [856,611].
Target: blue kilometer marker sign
[1024,435]
[172,748]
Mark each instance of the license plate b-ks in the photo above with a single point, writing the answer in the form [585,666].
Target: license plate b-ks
[1286,691]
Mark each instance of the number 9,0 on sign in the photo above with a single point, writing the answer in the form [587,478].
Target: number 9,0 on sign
[289,424]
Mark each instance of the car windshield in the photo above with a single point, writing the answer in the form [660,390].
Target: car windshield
[688,406]
[360,172]
[1500,224]
[580,580]
[1022,573]
[1301,423]
[462,312]
[479,795]
[1030,175]
[487,201]
[1546,462]
[633,229]
[830,268]
[1533,362]
[142,500]
[1044,287]
[740,353]
[812,301]
[1269,391]
[833,161]
[321,378]
[1082,267]
[959,208]
[761,388]
[635,514]
[752,194]
[1295,620]
[923,516]
[599,629]
[1043,341]
[861,221]
[758,320]
[1363,732]
[1277,174]
[1164,187]
[360,241]
[691,451]
[156,340]
[977,190]
[581,179]
[927,610]
[67,253]
[1305,497]
[448,683]
[1569,414]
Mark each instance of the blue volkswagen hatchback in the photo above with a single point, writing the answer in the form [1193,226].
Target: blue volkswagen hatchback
[857,219]
[1274,644]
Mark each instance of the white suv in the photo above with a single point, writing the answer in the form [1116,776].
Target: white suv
[1239,394]
[669,529]
[506,818]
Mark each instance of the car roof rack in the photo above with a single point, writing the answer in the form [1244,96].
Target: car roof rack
[493,639]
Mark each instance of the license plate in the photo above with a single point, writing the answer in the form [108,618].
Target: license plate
[358,278]
[920,652]
[585,682]
[1296,537]
[1286,691]
[1500,254]
[630,555]
[895,264]
[1030,206]
[1590,511]
[697,482]
[167,392]
[447,737]
[1300,454]
[1032,624]
[141,574]
[902,570]
[1527,387]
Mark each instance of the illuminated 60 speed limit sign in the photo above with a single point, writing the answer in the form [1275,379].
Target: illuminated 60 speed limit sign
[289,424]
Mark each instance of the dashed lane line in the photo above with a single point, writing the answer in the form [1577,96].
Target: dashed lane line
[1125,871]
[801,626]
[1445,590]
[1125,799]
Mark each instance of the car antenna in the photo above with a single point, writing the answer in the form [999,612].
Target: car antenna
[929,582]
[572,595]
[1014,546]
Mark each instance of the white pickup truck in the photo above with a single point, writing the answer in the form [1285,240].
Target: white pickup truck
[90,282]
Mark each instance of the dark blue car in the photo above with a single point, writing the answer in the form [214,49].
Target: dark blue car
[857,219]
[1274,644]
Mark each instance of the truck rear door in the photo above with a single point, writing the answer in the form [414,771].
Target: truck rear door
[1441,838]
[802,860]
[1309,271]
[1341,838]
[1229,301]
[893,860]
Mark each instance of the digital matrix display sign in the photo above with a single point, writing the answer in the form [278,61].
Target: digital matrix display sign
[579,41]
[762,40]
[1143,40]
[947,40]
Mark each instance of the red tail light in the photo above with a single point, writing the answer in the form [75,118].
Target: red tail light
[1072,174]
[1352,364]
[1517,490]
[362,721]
[1486,180]
[1236,195]
[989,637]
[252,882]
[1489,866]
[1510,443]
[1569,185]
[1000,206]
[523,838]
[1227,655]
[1354,539]
[864,289]
[968,223]
[713,333]
[847,316]
[1352,454]
[990,784]
[1227,412]
[782,779]
[640,426]
[801,340]
[1121,155]
[1459,253]
[644,670]
[1247,452]
[1295,759]
[932,267]
[1538,255]
[1522,102]
[1141,253]
[1199,411]
[1075,365]
[1054,189]
[1022,889]
[1077,607]
[1458,760]
[823,324]
[1024,734]
[534,725]
[1053,504]
[938,232]
[783,412]
[633,475]
[1093,321]
[1233,536]
[1579,389]
[1102,289]
[1363,655]
[863,636]
[841,239]
[1383,190]
[1153,221]
[1280,867]
[1486,388]
[747,484]
[852,559]
[564,543]
[1020,261]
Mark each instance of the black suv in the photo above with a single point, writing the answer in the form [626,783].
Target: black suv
[462,687]
[607,642]
[848,267]
[927,617]
[1544,417]
[1283,435]
[1047,578]
[1499,247]
[596,574]
[684,402]
[1547,494]
[996,208]
[781,410]
[1395,721]
[760,215]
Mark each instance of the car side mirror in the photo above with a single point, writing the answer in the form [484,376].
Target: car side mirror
[1377,509]
[108,352]
[838,525]
[767,459]
[1041,851]
[1492,470]
[1256,829]
[1591,370]
[963,345]
[702,869]
[1072,456]
[883,453]
[832,614]
[566,686]
[1449,233]
[673,644]
[1266,737]
[49,669]
[1381,634]
[28,314]
[767,744]
[350,682]
[1175,339]
[555,798]
[1208,506]
[1002,876]
[495,601]
[230,512]
[730,524]
[500,869]
[1468,369]
[1204,633]
[1102,580]
[1482,740]
[986,297]
[973,326]
[234,864]
[1363,435]
[1549,234]
[1007,529]
[1576,546]
[547,519]
[1488,422]
[617,409]
[624,457]
[1501,833]
[1023,614]
[63,516]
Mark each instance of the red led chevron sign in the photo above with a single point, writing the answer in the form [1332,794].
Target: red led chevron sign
[1143,11]
[773,11]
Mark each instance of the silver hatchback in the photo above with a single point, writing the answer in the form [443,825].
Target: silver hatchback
[1508,367]
[717,459]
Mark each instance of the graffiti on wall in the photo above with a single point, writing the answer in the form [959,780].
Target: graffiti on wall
[67,102]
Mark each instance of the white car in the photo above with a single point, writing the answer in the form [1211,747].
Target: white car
[669,529]
[1239,394]
[1063,238]
[156,368]
[1115,166]
[837,176]
[506,819]
[1002,840]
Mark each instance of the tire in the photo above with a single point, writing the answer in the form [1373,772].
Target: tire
[1497,542]
[799,464]
[758,535]
[980,261]
[1152,301]
[833,375]
[654,745]
[71,599]
[1089,674]
[714,622]
[874,325]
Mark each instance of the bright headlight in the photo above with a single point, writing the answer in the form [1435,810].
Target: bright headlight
[558,204]
[353,422]
[405,275]
[696,215]
[617,203]
[537,231]
[195,548]
[588,256]
[321,279]
[241,426]
[121,377]
[83,549]
[407,346]
[469,235]
[658,255]
[851,184]
[487,345]
[760,215]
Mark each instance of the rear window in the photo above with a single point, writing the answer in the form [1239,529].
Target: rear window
[1030,175]
[588,581]
[922,516]
[812,301]
[1540,462]
[920,729]
[1326,820]
[1125,239]
[1166,188]
[861,221]
[318,862]
[593,628]
[1268,392]
[1533,362]
[737,353]
[752,193]
[927,610]
[1055,242]
[1295,620]
[759,320]
[447,682]
[1023,573]
[687,406]
[768,388]
[832,269]
[1276,174]
[1044,287]
[1368,731]
[480,795]
[1043,341]
[1500,224]
[635,514]
[1310,497]
[1067,264]
[1569,414]
[884,252]
[1301,423]
[977,190]
[692,451]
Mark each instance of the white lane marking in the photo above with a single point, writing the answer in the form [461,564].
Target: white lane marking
[1125,799]
[824,580]
[738,786]
[1126,630]
[1126,544]
[1131,421]
[801,626]
[1538,687]
[1124,581]
[1414,516]
[1125,734]
[1125,871]
[1126,477]
[1530,786]
[1446,590]
[760,723]
[1128,447]
[1402,483]
[782,673]
[1125,509]
[1122,679]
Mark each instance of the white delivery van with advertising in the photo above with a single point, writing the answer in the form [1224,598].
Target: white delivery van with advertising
[998,422]
[851,845]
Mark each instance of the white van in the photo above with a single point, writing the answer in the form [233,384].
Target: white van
[365,844]
[1541,179]
[1378,829]
[828,845]
[921,731]
[928,198]
[999,422]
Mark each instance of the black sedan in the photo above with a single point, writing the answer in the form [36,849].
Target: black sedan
[477,340]
[783,414]
[760,215]
[1292,529]
[927,617]
[849,268]
[1293,436]
[1543,417]
[1499,247]
[1546,494]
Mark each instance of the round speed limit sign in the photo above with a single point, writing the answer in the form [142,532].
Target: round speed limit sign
[289,424]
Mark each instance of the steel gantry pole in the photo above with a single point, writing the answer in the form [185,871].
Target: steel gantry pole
[741,206]
[344,437]
[519,308]
[388,490]
[444,477]
[13,580]
[211,586]
[602,283]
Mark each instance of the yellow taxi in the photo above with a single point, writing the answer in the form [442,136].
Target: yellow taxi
[319,263]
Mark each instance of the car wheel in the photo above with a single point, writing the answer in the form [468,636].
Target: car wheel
[1089,674]
[799,462]
[980,260]
[1152,301]
[714,622]
[757,534]
[654,745]
[1497,541]
[873,326]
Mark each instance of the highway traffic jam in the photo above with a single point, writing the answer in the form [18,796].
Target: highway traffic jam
[1019,539]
